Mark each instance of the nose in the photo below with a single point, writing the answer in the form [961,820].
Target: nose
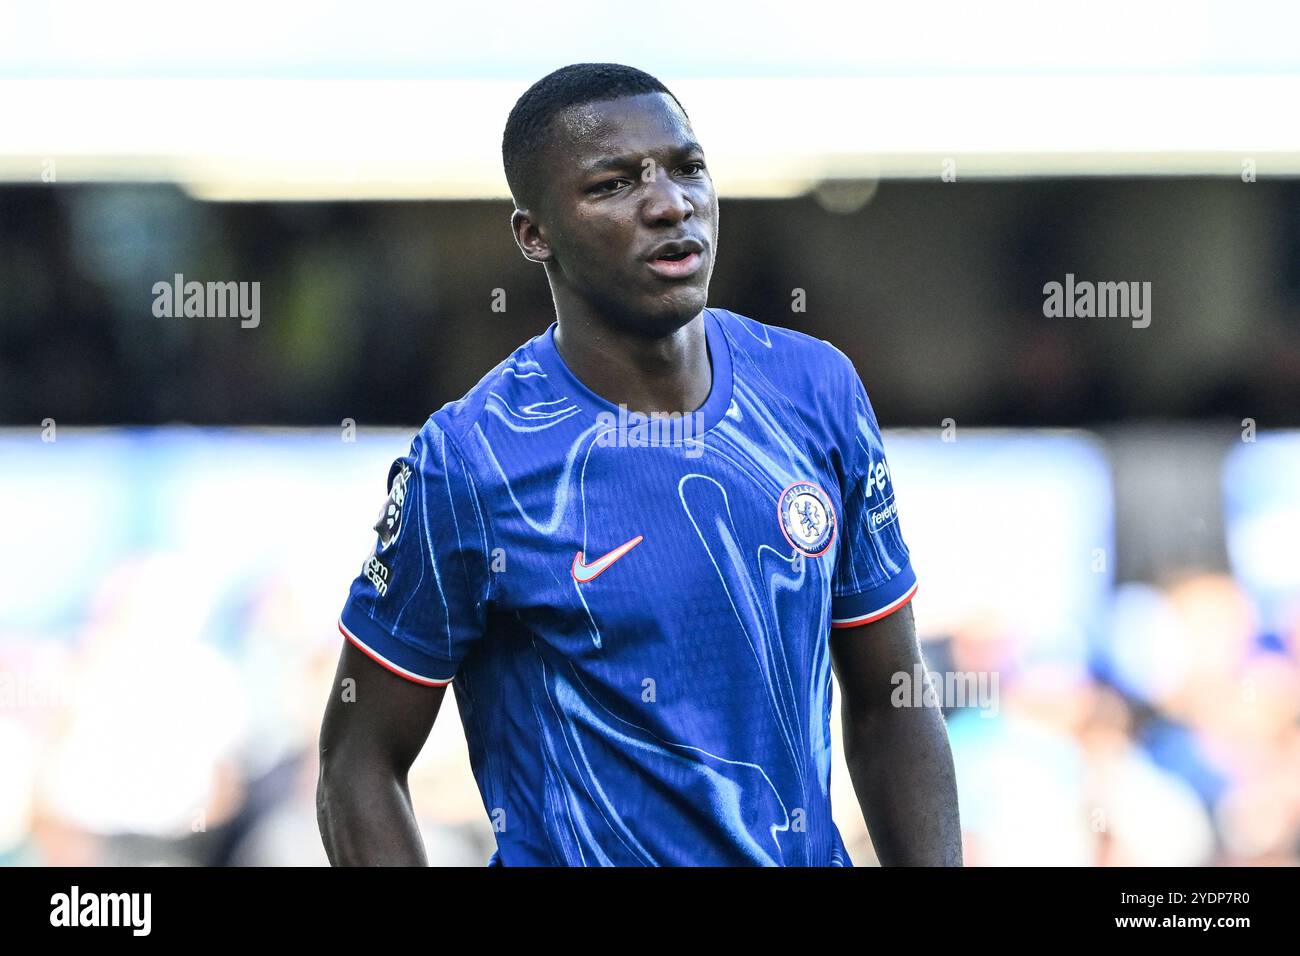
[666,201]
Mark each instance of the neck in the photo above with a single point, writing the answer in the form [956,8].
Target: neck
[648,373]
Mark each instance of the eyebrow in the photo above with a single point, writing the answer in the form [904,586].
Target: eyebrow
[635,159]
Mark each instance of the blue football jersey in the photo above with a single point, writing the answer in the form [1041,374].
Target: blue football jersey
[634,611]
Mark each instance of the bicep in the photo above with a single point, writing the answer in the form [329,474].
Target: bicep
[867,658]
[374,715]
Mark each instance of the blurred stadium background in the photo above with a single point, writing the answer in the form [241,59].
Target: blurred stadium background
[1103,518]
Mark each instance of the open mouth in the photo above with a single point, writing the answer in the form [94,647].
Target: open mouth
[679,265]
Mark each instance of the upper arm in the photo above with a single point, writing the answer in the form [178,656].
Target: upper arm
[374,715]
[873,572]
[873,632]
[415,610]
[420,602]
[867,658]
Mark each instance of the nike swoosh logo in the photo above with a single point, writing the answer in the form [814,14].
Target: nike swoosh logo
[583,572]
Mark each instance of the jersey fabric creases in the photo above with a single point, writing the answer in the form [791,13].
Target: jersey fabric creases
[635,615]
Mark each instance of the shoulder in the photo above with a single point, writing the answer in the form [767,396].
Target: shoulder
[791,360]
[448,434]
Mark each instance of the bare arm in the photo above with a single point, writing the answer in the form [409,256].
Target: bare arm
[898,757]
[371,734]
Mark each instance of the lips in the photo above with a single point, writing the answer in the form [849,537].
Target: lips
[680,268]
[675,248]
[677,259]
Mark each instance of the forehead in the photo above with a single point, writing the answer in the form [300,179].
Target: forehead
[632,125]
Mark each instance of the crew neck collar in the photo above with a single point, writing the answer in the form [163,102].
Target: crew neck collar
[714,407]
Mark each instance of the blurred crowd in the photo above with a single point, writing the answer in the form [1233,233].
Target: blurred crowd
[1177,745]
[142,743]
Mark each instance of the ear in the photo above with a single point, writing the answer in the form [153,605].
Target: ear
[530,237]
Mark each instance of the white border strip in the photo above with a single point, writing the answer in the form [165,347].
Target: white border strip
[230,139]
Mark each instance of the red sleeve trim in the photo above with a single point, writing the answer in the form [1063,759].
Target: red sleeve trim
[389,665]
[876,615]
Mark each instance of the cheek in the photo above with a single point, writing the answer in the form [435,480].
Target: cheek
[600,245]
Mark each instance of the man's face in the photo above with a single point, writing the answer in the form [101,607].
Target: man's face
[620,180]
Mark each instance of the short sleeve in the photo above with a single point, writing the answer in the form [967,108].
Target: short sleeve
[419,602]
[873,576]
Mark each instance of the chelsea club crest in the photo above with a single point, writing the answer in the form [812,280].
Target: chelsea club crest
[807,518]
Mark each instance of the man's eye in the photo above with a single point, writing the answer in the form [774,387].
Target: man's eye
[699,167]
[606,185]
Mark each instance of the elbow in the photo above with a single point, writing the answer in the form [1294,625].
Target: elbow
[323,815]
[350,775]
[333,781]
[335,777]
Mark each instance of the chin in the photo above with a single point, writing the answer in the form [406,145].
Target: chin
[678,307]
[660,312]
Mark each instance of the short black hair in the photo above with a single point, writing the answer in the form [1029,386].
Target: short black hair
[575,85]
